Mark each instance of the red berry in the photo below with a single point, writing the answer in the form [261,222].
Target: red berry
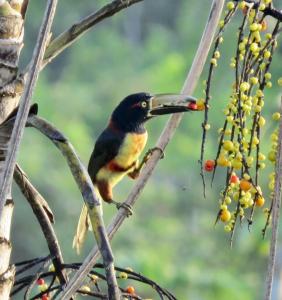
[192,106]
[44,297]
[234,179]
[209,165]
[40,281]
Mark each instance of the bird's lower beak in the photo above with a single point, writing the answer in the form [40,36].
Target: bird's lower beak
[163,104]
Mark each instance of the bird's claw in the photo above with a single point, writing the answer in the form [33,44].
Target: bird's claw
[150,152]
[127,207]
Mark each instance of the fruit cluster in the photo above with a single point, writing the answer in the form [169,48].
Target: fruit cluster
[240,136]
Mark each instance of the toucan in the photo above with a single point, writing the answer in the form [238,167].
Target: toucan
[117,150]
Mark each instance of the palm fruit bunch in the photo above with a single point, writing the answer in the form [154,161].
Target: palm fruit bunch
[239,147]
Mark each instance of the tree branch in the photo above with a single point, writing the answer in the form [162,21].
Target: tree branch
[167,134]
[66,38]
[275,214]
[93,203]
[6,178]
[35,200]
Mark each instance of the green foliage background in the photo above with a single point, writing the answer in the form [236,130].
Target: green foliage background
[171,238]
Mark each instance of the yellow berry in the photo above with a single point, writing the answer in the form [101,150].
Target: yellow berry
[260,201]
[242,46]
[268,36]
[207,126]
[85,288]
[244,86]
[123,275]
[261,165]
[221,23]
[272,156]
[242,4]
[236,164]
[261,156]
[276,116]
[267,1]
[216,54]
[267,75]
[254,27]
[227,228]
[225,215]
[261,121]
[230,5]
[254,80]
[266,54]
[214,62]
[232,65]
[257,108]
[222,161]
[269,84]
[249,160]
[51,268]
[262,7]
[43,287]
[279,81]
[259,93]
[228,145]
[254,47]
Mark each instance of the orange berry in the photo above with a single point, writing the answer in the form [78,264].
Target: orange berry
[130,290]
[225,215]
[245,185]
[209,165]
[260,201]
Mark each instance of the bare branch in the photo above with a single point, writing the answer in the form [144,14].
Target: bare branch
[6,179]
[167,134]
[93,202]
[275,215]
[35,200]
[66,38]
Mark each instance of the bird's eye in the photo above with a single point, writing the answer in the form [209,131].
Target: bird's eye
[144,104]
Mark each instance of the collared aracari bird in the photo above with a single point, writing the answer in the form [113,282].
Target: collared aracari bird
[117,149]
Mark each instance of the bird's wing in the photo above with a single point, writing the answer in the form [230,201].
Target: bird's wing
[106,148]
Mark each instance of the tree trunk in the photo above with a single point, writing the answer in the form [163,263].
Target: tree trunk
[11,42]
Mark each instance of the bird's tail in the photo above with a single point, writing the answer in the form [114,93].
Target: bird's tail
[83,226]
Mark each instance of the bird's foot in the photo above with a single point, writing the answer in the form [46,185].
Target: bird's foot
[151,151]
[127,207]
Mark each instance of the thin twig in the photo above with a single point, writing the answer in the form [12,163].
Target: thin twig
[6,179]
[32,196]
[275,215]
[93,203]
[66,38]
[167,134]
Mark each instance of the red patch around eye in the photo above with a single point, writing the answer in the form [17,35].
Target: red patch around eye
[136,105]
[192,106]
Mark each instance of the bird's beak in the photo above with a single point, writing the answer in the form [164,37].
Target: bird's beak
[163,104]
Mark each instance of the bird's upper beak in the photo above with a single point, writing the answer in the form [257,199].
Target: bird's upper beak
[163,104]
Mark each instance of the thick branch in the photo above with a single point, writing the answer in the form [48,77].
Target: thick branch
[66,38]
[35,200]
[168,132]
[93,203]
[275,214]
[21,118]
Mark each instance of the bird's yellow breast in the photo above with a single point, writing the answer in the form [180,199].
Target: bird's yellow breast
[131,148]
[125,161]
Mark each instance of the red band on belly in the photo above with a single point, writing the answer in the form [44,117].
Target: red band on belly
[114,167]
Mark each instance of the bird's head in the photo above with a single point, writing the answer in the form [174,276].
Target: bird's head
[134,110]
